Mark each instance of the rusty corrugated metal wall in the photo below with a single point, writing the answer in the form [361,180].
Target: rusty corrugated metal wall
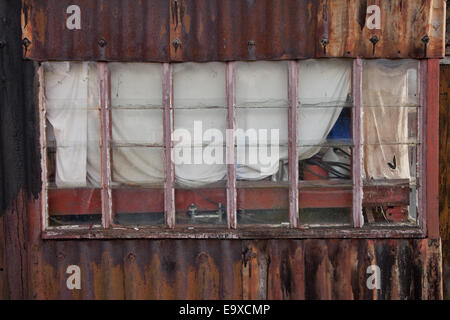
[198,269]
[213,269]
[224,30]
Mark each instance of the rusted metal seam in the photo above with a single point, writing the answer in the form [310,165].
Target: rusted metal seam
[169,192]
[293,151]
[105,145]
[357,140]
[230,145]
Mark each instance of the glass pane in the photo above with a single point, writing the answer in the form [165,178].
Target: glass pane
[200,121]
[138,206]
[391,141]
[73,143]
[326,217]
[324,142]
[136,85]
[263,206]
[328,164]
[138,166]
[262,109]
[201,206]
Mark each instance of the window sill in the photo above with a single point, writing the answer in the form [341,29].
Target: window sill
[243,233]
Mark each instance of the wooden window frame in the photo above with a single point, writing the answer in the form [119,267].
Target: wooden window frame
[427,158]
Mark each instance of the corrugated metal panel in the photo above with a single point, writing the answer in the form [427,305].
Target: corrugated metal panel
[218,269]
[131,30]
[290,29]
[225,269]
[222,30]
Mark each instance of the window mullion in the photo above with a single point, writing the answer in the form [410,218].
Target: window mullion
[292,148]
[357,141]
[169,193]
[43,132]
[423,88]
[230,145]
[105,142]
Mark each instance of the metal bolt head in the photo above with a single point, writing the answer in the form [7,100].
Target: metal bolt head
[176,43]
[26,43]
[2,44]
[374,39]
[102,43]
[324,42]
[426,39]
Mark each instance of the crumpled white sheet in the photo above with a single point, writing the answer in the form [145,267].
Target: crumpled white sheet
[389,87]
[262,103]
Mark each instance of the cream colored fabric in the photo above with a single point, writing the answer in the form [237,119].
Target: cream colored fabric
[385,117]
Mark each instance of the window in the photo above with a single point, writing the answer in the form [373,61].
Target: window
[279,148]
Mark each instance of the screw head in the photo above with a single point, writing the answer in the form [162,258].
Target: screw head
[426,39]
[2,43]
[102,43]
[176,43]
[374,39]
[325,42]
[26,43]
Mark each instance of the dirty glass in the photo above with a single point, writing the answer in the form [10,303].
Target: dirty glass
[72,143]
[262,108]
[137,148]
[200,114]
[324,142]
[390,141]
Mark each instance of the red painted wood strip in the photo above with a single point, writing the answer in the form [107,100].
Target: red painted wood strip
[105,142]
[169,196]
[231,150]
[88,201]
[357,151]
[293,152]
